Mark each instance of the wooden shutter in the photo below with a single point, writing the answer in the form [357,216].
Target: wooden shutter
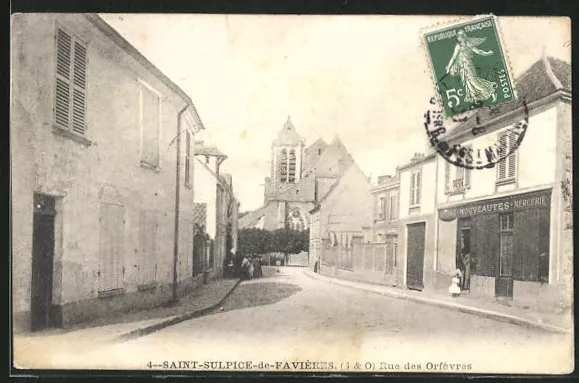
[418,186]
[111,247]
[501,168]
[485,244]
[467,172]
[79,89]
[150,119]
[71,69]
[527,238]
[63,65]
[512,160]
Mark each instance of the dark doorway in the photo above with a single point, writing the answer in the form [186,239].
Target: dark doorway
[198,250]
[42,262]
[415,254]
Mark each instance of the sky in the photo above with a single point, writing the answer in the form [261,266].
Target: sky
[363,78]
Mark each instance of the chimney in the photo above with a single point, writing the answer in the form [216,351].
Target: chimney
[383,178]
[417,157]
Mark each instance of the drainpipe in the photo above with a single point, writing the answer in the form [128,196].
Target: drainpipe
[177,195]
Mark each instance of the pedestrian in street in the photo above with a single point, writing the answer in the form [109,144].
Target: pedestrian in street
[454,288]
[245,269]
[251,268]
[466,261]
[257,272]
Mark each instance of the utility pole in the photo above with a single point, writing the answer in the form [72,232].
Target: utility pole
[177,196]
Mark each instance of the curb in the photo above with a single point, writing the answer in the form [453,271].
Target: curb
[489,314]
[180,318]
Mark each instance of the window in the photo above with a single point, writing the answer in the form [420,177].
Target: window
[507,167]
[415,188]
[283,166]
[506,244]
[381,207]
[457,178]
[111,249]
[70,89]
[393,207]
[187,159]
[150,119]
[292,167]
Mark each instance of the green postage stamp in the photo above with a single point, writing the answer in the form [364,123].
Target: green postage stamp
[469,65]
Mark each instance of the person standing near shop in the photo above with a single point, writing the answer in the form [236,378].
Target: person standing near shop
[466,264]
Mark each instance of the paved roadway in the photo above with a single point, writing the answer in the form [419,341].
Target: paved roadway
[292,317]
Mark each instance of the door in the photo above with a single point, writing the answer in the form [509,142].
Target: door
[463,241]
[199,252]
[415,255]
[504,279]
[42,261]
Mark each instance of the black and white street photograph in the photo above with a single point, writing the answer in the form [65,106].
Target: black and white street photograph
[230,193]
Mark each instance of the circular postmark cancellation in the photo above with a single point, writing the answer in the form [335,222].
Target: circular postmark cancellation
[470,145]
[472,79]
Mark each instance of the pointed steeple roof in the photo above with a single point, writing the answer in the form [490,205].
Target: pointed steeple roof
[288,134]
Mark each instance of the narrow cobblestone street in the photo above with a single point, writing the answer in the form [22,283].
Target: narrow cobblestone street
[288,316]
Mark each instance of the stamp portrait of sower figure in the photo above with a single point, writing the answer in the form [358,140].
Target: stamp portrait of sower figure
[476,89]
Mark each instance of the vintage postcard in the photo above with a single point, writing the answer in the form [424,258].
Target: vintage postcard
[294,194]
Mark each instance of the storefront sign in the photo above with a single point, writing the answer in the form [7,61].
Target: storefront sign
[507,204]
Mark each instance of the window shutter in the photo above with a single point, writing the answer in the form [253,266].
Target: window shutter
[412,183]
[467,172]
[501,169]
[418,186]
[63,61]
[79,89]
[467,178]
[512,160]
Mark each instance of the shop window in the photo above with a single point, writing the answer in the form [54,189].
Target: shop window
[506,246]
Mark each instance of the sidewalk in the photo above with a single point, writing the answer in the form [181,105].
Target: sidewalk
[117,327]
[471,305]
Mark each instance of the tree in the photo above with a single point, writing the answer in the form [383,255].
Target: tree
[259,241]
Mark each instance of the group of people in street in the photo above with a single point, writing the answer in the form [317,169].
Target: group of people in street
[461,278]
[240,266]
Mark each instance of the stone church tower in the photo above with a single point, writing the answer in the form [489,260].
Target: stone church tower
[286,156]
[299,176]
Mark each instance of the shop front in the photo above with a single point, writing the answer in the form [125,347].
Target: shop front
[502,244]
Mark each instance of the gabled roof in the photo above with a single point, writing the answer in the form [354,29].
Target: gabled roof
[251,218]
[313,152]
[328,163]
[353,167]
[204,150]
[115,36]
[288,134]
[545,77]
